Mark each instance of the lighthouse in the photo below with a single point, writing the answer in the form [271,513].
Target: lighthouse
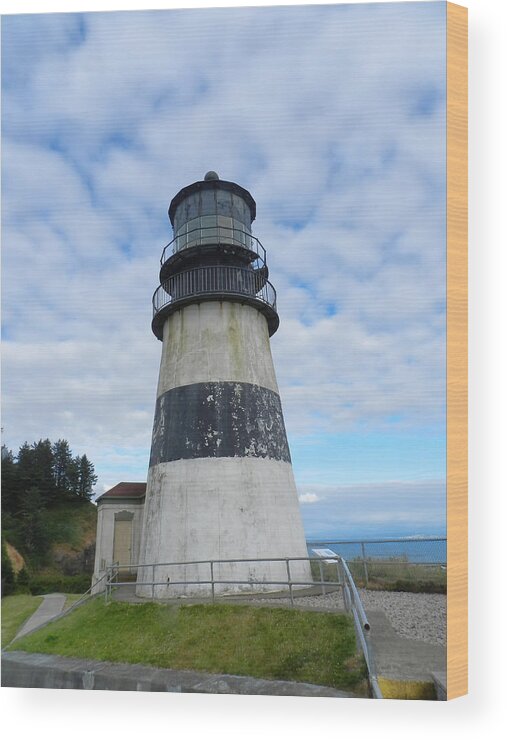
[220,483]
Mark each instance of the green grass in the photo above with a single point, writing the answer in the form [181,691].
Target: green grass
[397,574]
[15,611]
[71,599]
[264,642]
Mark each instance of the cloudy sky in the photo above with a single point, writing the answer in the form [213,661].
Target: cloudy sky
[333,117]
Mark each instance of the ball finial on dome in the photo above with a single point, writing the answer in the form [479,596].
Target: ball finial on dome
[211,175]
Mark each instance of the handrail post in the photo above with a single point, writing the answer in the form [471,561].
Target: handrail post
[322,587]
[338,574]
[289,581]
[365,567]
[346,591]
[212,578]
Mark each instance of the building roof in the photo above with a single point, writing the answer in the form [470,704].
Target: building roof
[125,490]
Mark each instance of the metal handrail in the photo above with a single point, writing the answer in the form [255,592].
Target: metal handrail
[86,594]
[215,236]
[114,570]
[214,279]
[354,604]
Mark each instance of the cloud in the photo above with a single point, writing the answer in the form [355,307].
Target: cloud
[393,508]
[308,498]
[332,116]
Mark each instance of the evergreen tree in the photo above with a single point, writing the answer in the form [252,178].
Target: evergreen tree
[26,466]
[43,477]
[73,476]
[31,522]
[10,482]
[87,478]
[62,462]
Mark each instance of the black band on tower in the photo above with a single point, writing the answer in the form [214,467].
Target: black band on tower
[218,419]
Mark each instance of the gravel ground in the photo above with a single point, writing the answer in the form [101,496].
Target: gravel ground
[414,616]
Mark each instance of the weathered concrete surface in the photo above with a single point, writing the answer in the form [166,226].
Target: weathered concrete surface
[222,508]
[402,659]
[52,605]
[214,341]
[36,670]
[243,503]
[218,419]
[275,599]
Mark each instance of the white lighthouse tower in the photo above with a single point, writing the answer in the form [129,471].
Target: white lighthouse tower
[220,483]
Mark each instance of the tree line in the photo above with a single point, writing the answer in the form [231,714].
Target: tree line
[49,467]
[37,479]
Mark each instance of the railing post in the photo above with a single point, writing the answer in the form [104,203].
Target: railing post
[338,574]
[289,582]
[212,576]
[345,588]
[364,565]
[153,582]
[321,569]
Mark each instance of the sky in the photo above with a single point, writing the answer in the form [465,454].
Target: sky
[333,117]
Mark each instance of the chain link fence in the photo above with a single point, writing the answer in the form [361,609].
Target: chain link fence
[417,564]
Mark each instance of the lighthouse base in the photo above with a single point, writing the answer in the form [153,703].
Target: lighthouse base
[240,509]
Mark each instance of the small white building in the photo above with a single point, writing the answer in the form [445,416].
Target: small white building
[119,525]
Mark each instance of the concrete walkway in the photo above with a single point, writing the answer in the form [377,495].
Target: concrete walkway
[52,605]
[401,659]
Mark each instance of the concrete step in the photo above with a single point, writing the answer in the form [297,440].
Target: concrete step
[35,670]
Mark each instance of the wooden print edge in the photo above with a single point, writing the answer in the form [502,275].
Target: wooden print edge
[457,351]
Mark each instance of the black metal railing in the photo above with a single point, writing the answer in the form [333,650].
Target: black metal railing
[222,236]
[240,282]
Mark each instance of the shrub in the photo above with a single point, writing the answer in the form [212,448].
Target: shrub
[8,577]
[419,587]
[46,584]
[23,582]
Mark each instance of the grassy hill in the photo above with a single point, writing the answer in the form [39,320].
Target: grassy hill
[71,529]
[67,563]
[263,642]
[48,519]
